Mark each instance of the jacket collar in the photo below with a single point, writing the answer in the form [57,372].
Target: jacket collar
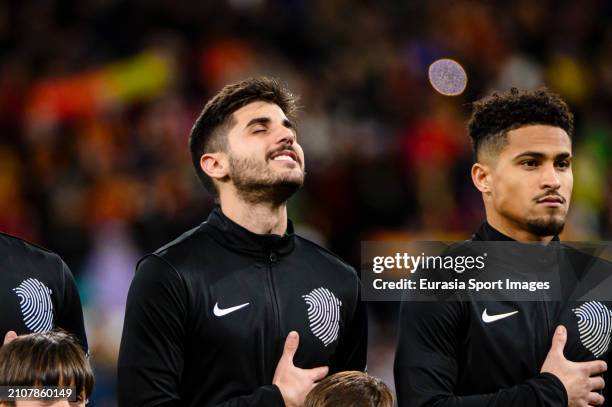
[235,237]
[489,233]
[527,256]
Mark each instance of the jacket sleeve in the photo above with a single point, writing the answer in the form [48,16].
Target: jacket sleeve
[426,364]
[151,356]
[70,315]
[351,353]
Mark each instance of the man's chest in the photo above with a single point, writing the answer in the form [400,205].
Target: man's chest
[511,340]
[255,307]
[28,303]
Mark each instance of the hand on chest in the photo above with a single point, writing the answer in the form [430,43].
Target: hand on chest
[522,332]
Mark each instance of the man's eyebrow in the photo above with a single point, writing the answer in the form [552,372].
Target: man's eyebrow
[266,121]
[258,120]
[288,124]
[562,156]
[539,155]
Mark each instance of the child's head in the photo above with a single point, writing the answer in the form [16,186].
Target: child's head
[350,389]
[51,358]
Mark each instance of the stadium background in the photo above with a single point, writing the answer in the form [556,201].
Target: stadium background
[97,99]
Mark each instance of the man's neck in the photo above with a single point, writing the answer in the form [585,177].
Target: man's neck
[515,231]
[260,218]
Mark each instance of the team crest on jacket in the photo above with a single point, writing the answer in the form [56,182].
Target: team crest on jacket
[594,326]
[323,314]
[36,305]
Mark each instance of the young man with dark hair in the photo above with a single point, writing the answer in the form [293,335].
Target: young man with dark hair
[38,291]
[511,353]
[215,317]
[350,389]
[52,358]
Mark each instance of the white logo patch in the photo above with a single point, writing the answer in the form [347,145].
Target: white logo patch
[323,314]
[487,319]
[221,312]
[36,305]
[595,326]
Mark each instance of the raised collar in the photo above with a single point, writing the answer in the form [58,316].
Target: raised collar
[489,233]
[530,256]
[235,237]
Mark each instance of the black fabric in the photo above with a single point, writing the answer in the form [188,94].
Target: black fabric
[176,352]
[38,291]
[489,233]
[447,356]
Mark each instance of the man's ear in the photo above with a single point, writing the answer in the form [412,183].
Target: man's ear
[215,165]
[481,177]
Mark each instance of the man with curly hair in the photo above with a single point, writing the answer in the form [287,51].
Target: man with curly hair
[509,353]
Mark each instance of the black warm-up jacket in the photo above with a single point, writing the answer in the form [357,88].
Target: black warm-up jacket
[37,291]
[483,353]
[208,314]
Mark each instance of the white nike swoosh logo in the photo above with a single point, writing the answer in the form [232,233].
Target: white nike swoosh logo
[221,312]
[486,318]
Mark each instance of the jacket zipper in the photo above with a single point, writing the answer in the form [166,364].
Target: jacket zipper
[273,258]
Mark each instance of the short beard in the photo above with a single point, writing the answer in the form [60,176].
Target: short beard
[256,184]
[545,227]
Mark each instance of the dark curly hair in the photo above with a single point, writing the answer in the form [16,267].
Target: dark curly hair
[495,115]
[210,129]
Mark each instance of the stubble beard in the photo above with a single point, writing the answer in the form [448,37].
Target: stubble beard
[256,183]
[548,225]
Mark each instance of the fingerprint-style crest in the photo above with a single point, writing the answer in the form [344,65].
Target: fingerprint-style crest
[36,305]
[323,314]
[594,326]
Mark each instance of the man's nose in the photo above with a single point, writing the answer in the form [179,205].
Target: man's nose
[550,178]
[286,136]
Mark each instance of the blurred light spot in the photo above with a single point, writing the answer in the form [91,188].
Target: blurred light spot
[520,72]
[447,77]
[570,78]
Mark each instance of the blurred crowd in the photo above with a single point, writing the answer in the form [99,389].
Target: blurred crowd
[97,99]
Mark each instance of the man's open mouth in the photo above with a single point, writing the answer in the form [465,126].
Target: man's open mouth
[284,155]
